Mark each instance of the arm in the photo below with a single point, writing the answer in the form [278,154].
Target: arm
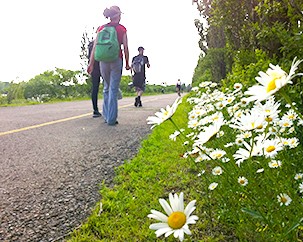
[126,51]
[147,62]
[91,58]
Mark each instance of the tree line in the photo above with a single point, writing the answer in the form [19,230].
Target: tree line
[61,84]
[239,38]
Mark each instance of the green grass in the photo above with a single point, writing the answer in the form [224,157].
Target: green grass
[24,102]
[157,170]
[230,213]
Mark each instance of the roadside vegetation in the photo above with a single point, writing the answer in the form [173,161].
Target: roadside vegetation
[63,85]
[238,139]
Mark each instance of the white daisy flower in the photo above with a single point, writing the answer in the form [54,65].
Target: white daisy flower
[249,121]
[244,102]
[271,81]
[220,134]
[272,147]
[270,109]
[274,163]
[285,123]
[284,199]
[301,187]
[243,154]
[298,176]
[213,84]
[225,159]
[291,115]
[165,114]
[242,181]
[239,141]
[219,105]
[213,186]
[247,135]
[204,84]
[193,123]
[209,132]
[217,171]
[217,154]
[195,89]
[293,142]
[174,135]
[272,130]
[291,130]
[177,219]
[238,86]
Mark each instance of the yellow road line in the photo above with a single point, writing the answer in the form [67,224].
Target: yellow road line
[44,124]
[57,121]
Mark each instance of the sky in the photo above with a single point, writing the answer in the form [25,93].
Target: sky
[41,35]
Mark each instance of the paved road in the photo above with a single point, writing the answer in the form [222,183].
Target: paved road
[53,158]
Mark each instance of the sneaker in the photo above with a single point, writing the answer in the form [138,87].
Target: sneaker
[136,102]
[114,123]
[96,114]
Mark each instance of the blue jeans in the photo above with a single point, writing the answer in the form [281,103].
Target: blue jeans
[111,73]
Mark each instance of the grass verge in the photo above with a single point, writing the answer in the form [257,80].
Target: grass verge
[157,170]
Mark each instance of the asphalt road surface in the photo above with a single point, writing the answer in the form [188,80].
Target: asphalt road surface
[53,158]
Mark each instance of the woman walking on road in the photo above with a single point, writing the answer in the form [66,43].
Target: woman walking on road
[111,72]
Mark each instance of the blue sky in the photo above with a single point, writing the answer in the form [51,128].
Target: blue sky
[41,35]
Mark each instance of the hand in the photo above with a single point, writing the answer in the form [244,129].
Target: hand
[90,69]
[127,67]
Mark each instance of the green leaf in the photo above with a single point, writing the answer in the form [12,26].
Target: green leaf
[294,226]
[252,213]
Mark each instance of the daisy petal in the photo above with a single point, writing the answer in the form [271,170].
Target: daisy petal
[159,232]
[189,208]
[158,215]
[165,206]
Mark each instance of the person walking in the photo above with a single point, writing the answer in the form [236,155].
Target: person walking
[95,76]
[111,71]
[138,68]
[178,88]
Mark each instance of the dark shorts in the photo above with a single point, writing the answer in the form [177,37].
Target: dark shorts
[139,82]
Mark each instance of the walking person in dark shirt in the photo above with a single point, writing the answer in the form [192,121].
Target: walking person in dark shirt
[95,75]
[138,69]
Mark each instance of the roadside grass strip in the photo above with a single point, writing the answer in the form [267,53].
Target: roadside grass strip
[235,160]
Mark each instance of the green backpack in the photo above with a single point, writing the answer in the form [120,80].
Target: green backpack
[107,46]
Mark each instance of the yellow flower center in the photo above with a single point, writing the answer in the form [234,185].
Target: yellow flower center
[242,181]
[271,85]
[176,220]
[283,199]
[218,156]
[270,148]
[268,119]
